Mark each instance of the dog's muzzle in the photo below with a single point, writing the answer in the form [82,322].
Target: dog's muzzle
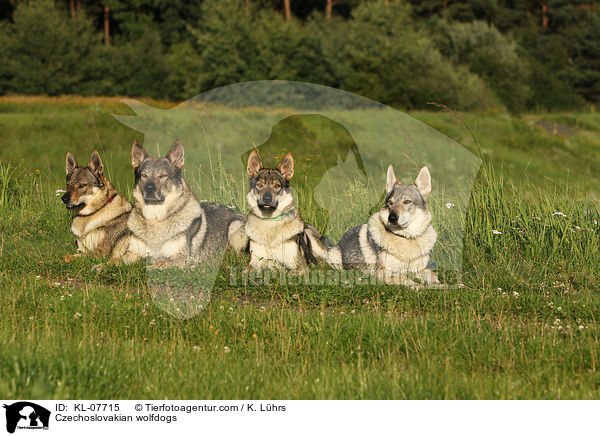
[393,221]
[266,203]
[267,207]
[151,194]
[66,199]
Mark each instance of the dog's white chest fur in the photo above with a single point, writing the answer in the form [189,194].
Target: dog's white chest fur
[87,228]
[402,255]
[272,243]
[159,250]
[157,239]
[285,254]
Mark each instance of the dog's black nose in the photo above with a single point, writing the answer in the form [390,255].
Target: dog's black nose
[393,217]
[267,198]
[149,188]
[65,198]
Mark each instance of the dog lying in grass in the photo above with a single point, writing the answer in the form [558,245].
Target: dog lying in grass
[277,236]
[170,226]
[397,240]
[101,213]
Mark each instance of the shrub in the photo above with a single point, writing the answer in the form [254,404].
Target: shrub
[138,68]
[491,55]
[235,46]
[380,55]
[45,52]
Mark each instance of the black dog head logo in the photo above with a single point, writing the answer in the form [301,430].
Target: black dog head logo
[26,414]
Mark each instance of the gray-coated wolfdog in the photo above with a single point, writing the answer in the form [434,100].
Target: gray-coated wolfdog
[396,242]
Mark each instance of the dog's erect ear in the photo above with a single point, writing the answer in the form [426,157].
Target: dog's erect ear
[95,163]
[391,179]
[175,154]
[286,166]
[71,163]
[254,164]
[138,154]
[423,182]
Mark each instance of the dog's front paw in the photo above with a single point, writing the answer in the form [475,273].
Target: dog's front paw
[392,278]
[430,279]
[413,286]
[114,261]
[99,267]
[298,272]
[69,257]
[438,285]
[160,265]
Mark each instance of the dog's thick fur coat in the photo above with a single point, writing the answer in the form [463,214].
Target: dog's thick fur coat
[277,236]
[170,226]
[101,213]
[396,242]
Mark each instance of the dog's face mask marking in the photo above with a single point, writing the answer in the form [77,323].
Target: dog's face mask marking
[269,188]
[157,177]
[404,203]
[83,183]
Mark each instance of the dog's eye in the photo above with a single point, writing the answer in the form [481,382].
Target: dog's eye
[277,187]
[407,202]
[163,176]
[82,185]
[259,185]
[144,175]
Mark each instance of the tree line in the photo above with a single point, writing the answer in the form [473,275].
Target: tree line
[475,54]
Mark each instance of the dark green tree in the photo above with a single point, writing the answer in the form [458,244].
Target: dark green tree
[45,51]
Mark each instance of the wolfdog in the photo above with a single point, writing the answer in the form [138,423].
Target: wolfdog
[397,240]
[101,213]
[277,236]
[170,226]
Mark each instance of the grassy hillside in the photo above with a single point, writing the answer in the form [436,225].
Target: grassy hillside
[522,324]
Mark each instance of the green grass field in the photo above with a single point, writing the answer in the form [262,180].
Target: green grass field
[524,323]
